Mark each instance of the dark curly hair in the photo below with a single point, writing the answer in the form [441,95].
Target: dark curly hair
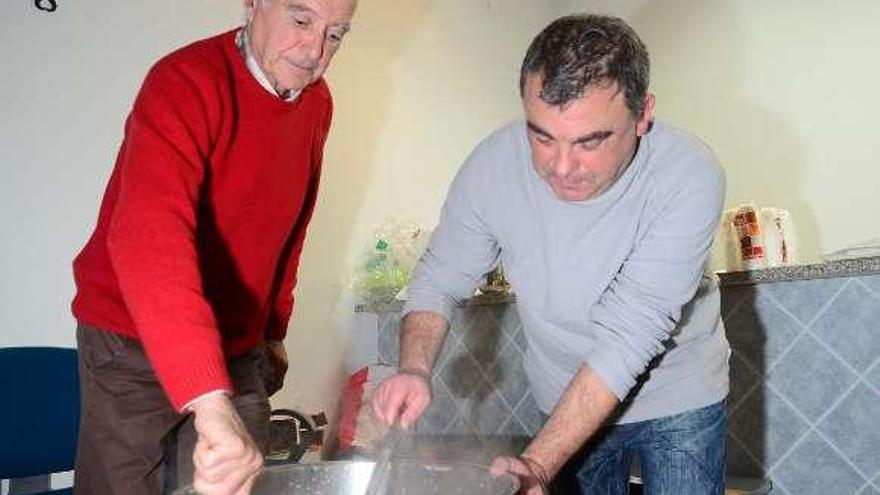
[578,51]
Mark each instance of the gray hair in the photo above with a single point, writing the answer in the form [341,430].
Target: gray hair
[578,51]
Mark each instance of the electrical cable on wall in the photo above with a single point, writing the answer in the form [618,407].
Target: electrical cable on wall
[46,5]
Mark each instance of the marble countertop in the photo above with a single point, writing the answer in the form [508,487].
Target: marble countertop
[832,269]
[480,300]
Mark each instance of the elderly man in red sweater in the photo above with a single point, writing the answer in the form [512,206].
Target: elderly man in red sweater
[185,288]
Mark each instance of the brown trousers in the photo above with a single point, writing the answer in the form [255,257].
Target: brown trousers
[131,441]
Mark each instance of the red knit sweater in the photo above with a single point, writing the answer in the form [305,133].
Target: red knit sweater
[198,238]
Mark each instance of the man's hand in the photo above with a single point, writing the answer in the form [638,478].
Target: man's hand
[402,397]
[405,396]
[532,478]
[226,459]
[276,366]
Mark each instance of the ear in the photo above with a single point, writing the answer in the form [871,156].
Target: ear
[644,123]
[249,7]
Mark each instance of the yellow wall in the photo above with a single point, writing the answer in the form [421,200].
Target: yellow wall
[784,91]
[416,86]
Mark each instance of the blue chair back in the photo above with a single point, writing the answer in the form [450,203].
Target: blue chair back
[39,410]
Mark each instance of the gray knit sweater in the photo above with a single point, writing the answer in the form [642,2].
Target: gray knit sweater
[616,282]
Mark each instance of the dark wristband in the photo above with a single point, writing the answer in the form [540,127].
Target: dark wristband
[415,372]
[538,472]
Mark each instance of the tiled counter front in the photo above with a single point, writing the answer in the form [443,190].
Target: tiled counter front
[805,374]
[804,403]
[479,385]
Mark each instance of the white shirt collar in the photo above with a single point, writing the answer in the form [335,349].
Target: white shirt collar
[244,46]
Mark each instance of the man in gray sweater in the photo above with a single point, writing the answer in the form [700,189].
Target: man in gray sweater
[603,219]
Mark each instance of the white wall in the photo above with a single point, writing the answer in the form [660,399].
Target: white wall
[68,80]
[784,92]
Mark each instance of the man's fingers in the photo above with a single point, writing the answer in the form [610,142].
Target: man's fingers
[510,465]
[228,479]
[503,465]
[237,481]
[378,403]
[247,486]
[530,483]
[205,462]
[499,466]
[212,456]
[217,473]
[387,403]
[402,397]
[224,466]
[414,409]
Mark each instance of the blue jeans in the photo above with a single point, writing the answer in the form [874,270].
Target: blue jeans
[682,454]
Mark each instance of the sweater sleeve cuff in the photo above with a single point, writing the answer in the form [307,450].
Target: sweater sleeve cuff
[611,368]
[188,406]
[207,374]
[422,300]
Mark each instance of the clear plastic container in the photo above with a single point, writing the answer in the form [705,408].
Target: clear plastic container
[750,237]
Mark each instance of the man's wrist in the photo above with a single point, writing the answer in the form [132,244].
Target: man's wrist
[538,470]
[212,399]
[416,371]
